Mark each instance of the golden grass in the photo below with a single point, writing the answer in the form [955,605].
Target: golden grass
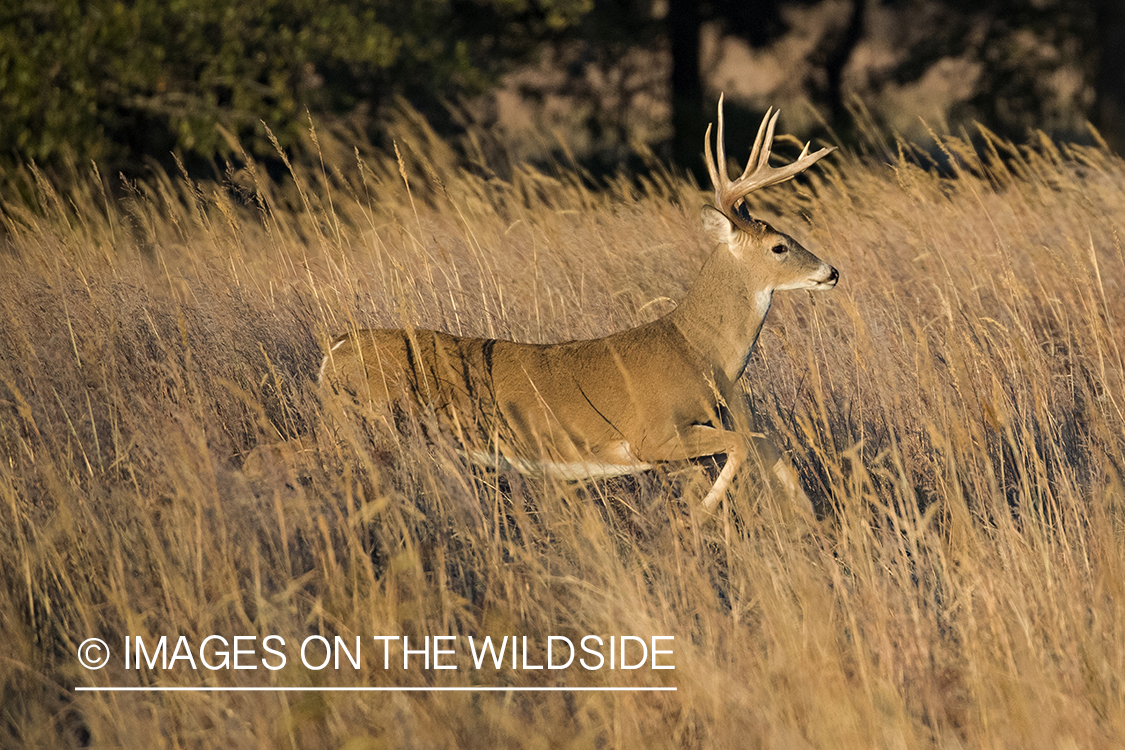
[954,406]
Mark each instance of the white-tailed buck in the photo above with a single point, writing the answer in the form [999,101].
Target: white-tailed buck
[664,391]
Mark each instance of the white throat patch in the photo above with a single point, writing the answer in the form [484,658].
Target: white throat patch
[762,302]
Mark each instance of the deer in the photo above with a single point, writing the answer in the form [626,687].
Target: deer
[661,392]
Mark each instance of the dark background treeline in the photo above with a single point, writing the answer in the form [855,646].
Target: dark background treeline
[129,84]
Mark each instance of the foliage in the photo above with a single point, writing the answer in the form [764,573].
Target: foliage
[118,81]
[1024,51]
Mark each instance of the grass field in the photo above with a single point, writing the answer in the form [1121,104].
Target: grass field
[954,407]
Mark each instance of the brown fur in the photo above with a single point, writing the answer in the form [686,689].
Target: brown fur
[595,408]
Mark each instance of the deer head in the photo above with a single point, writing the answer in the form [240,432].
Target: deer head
[772,259]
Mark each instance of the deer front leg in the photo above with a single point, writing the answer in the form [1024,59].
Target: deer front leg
[773,461]
[704,440]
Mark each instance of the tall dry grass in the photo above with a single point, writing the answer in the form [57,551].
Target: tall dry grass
[954,407]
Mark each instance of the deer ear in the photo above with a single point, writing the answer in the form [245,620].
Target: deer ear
[716,226]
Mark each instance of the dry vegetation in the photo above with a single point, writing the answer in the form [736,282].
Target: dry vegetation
[954,406]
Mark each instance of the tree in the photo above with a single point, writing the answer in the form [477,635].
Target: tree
[684,23]
[1109,71]
[1028,53]
[760,23]
[1023,49]
[117,81]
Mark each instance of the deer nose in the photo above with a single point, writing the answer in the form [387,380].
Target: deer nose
[833,277]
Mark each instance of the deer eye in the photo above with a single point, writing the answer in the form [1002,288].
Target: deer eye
[779,249]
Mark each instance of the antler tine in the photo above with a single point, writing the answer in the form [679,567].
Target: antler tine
[761,174]
[710,159]
[757,158]
[717,167]
[721,148]
[758,173]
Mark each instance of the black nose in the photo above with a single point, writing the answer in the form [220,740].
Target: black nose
[833,277]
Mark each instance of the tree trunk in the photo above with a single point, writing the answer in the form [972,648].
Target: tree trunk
[684,23]
[837,60]
[1109,79]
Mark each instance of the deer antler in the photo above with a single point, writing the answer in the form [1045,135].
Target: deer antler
[758,172]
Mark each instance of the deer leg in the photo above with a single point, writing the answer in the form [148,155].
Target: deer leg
[719,489]
[704,440]
[772,461]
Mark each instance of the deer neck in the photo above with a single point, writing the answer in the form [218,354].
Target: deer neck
[723,313]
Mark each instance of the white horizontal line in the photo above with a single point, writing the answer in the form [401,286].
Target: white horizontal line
[288,689]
